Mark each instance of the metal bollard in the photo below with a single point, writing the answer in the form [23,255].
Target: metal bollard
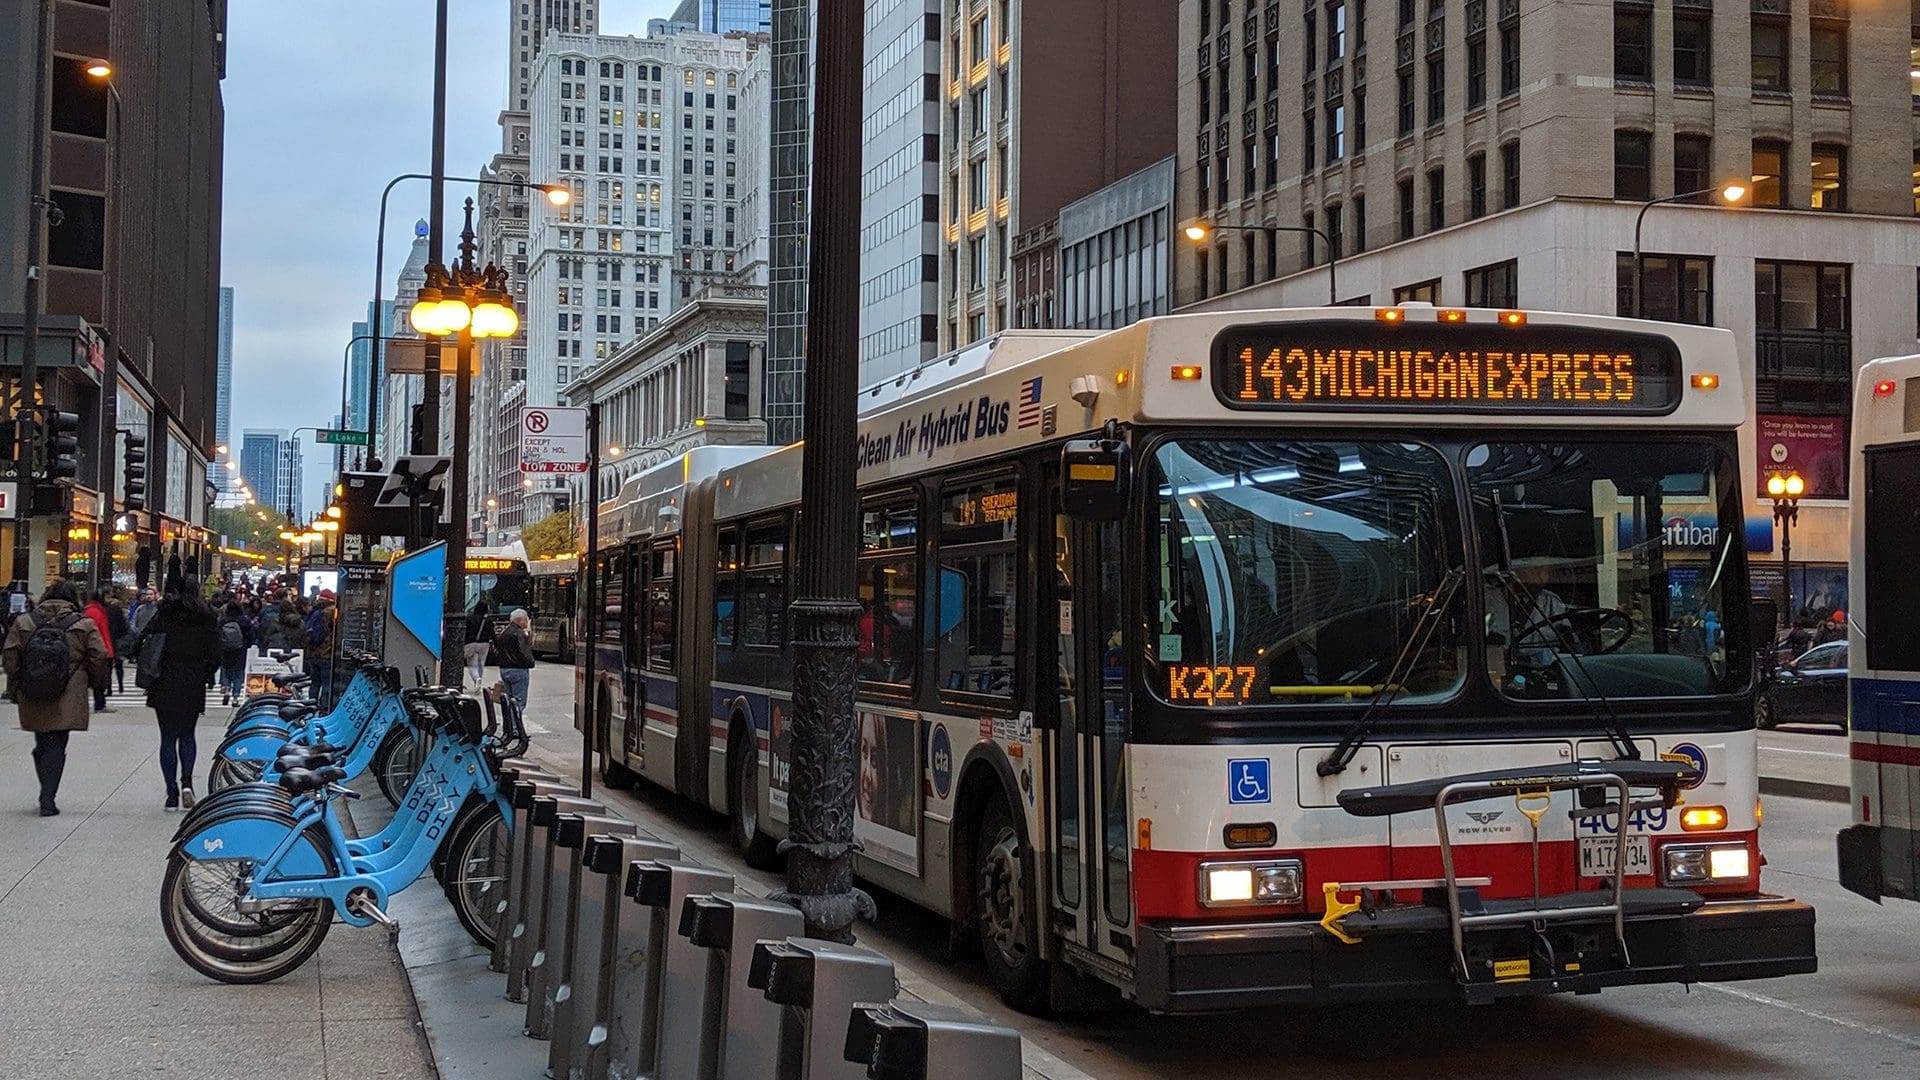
[912,1040]
[533,919]
[583,924]
[548,970]
[676,971]
[740,1036]
[615,975]
[516,897]
[819,982]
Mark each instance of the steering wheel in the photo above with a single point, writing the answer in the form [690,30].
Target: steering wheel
[1595,619]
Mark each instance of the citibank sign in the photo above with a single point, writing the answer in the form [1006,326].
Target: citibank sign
[1690,532]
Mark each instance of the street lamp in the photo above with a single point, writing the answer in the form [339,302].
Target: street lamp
[1785,490]
[1730,194]
[1202,230]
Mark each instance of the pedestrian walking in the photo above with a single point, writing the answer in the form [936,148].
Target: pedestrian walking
[144,606]
[514,652]
[323,632]
[236,634]
[119,629]
[97,611]
[281,628]
[53,655]
[478,639]
[189,647]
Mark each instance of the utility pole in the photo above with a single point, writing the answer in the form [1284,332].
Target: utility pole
[25,433]
[825,612]
[427,433]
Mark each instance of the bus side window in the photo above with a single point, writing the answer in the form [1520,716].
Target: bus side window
[662,606]
[612,597]
[763,585]
[889,638]
[726,587]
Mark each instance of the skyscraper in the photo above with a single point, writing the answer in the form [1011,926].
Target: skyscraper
[529,23]
[788,202]
[260,453]
[223,384]
[725,16]
[899,204]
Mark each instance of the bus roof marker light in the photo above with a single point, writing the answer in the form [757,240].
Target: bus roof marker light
[1186,373]
[1451,315]
[1705,380]
[1513,318]
[1883,388]
[1389,314]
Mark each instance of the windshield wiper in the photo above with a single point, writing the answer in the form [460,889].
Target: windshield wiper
[1424,625]
[1514,589]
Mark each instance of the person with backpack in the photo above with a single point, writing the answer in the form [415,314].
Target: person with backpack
[177,650]
[323,630]
[236,634]
[479,639]
[53,654]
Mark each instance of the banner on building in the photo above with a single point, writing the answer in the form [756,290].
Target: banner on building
[1813,446]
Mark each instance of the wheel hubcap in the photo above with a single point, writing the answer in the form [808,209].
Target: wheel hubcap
[1003,899]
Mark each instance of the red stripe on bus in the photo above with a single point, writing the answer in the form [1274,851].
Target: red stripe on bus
[1886,754]
[1167,883]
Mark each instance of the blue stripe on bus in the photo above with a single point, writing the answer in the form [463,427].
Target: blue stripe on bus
[1886,706]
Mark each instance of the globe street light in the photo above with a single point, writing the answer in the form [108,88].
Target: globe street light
[1785,490]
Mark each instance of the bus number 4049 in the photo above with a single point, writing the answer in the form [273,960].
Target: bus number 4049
[1207,683]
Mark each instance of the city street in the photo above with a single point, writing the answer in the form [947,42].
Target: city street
[1859,1016]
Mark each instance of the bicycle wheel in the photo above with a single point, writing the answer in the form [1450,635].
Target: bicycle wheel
[476,873]
[211,890]
[395,762]
[215,955]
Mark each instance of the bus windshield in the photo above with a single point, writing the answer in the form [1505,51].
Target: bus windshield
[502,591]
[1608,567]
[1296,572]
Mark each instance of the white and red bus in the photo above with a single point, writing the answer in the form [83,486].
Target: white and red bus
[1180,642]
[1880,853]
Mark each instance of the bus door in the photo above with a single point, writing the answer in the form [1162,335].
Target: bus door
[1090,862]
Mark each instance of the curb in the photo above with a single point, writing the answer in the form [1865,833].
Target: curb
[1805,789]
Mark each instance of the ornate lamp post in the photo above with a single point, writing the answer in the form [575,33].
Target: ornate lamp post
[1201,231]
[1785,490]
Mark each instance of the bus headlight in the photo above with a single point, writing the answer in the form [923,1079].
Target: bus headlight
[1705,864]
[1248,884]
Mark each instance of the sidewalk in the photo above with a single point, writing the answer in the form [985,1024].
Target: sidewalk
[91,987]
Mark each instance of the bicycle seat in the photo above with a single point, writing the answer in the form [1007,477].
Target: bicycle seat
[291,679]
[287,761]
[297,710]
[303,781]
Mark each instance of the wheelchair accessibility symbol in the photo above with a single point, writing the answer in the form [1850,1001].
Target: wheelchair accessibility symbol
[1247,781]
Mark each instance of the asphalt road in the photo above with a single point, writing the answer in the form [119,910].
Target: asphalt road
[1859,1016]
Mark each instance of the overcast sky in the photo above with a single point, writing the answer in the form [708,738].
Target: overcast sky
[325,103]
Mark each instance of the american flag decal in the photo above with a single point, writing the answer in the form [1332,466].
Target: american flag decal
[1030,402]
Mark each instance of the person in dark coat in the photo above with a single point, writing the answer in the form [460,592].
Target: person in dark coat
[515,653]
[52,721]
[236,636]
[119,628]
[190,652]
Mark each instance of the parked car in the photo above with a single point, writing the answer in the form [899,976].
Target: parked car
[1810,689]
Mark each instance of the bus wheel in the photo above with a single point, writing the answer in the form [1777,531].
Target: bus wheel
[743,804]
[612,763]
[1004,914]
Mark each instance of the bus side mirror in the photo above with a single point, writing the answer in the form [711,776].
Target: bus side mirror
[1097,476]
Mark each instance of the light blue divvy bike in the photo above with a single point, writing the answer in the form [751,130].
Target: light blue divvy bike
[258,870]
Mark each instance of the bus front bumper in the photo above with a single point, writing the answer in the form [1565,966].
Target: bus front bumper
[1196,967]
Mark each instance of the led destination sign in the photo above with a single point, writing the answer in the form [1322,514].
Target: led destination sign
[1450,367]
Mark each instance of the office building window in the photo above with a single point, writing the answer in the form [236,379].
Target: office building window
[1673,288]
[1509,175]
[1360,120]
[1802,337]
[1336,132]
[1827,58]
[1405,125]
[1436,88]
[1476,71]
[1419,291]
[1336,240]
[1496,286]
[1769,53]
[1406,208]
[1359,223]
[1477,185]
[1510,59]
[1436,199]
[1308,147]
[1632,165]
[1336,32]
[1692,163]
[1767,159]
[1829,190]
[1692,48]
[1632,43]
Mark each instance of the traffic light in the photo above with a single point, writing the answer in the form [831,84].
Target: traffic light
[63,444]
[133,468]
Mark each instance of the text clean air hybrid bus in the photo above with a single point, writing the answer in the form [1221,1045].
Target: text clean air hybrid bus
[1880,854]
[1255,657]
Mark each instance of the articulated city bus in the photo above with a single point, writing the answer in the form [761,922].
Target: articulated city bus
[1179,643]
[1880,854]
[552,598]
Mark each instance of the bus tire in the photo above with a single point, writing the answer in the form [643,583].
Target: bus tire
[743,803]
[610,763]
[1005,915]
